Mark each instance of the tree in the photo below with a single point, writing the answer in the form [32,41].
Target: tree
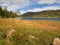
[7,14]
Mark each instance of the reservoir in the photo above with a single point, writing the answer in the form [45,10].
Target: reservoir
[40,19]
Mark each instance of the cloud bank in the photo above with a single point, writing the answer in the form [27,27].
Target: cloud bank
[44,8]
[13,5]
[46,1]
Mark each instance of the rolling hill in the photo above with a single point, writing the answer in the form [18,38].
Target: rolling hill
[46,13]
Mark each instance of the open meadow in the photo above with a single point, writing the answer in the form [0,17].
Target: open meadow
[28,32]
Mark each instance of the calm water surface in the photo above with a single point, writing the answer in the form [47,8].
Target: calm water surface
[40,19]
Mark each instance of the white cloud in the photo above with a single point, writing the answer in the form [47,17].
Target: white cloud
[14,4]
[13,7]
[22,12]
[45,8]
[17,2]
[47,1]
[52,8]
[29,10]
[36,10]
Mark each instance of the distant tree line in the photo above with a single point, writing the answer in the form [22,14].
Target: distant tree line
[7,14]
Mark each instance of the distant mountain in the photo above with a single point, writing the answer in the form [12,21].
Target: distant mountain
[47,13]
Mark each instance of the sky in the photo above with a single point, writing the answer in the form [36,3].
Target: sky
[30,5]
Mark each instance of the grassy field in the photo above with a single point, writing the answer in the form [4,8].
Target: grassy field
[29,32]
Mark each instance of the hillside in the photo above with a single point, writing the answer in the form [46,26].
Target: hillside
[47,13]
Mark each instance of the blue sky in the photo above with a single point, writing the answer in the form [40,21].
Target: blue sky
[30,5]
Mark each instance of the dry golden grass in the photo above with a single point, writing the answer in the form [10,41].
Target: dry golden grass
[30,23]
[44,31]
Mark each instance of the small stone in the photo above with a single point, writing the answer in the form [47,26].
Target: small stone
[31,36]
[10,32]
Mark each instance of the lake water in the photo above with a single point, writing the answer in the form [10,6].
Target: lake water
[40,19]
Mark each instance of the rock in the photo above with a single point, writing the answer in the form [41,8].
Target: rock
[9,35]
[10,32]
[32,37]
[56,41]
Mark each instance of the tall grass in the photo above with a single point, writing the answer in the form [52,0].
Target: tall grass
[43,31]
